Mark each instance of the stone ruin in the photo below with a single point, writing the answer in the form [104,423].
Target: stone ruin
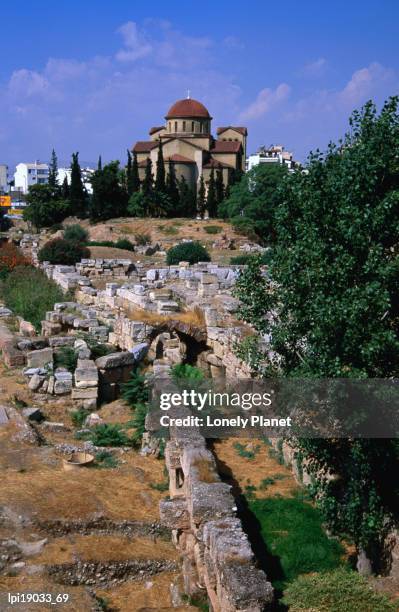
[201,512]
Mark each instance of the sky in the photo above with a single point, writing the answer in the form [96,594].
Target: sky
[94,76]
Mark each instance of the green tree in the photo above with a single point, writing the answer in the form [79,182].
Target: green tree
[109,198]
[171,186]
[65,189]
[77,192]
[135,185]
[53,171]
[211,202]
[148,182]
[99,163]
[336,308]
[219,187]
[187,204]
[201,198]
[137,205]
[129,174]
[255,199]
[43,207]
[160,171]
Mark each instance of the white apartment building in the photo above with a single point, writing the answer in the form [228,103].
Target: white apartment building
[86,176]
[27,174]
[275,154]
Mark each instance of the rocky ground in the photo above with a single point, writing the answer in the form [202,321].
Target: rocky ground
[93,534]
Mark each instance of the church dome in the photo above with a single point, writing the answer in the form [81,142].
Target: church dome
[188,108]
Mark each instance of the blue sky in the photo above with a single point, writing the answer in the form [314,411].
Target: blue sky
[94,76]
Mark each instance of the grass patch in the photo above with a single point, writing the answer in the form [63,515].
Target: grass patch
[243,451]
[30,294]
[169,230]
[123,243]
[160,486]
[105,459]
[79,416]
[340,590]
[213,229]
[292,531]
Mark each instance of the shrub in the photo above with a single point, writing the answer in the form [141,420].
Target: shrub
[105,459]
[245,259]
[340,590]
[142,239]
[193,252]
[123,243]
[101,243]
[135,390]
[66,357]
[61,251]
[245,226]
[29,293]
[186,371]
[79,416]
[10,258]
[213,229]
[109,434]
[76,233]
[169,230]
[138,422]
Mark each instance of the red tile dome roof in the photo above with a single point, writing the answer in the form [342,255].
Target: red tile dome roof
[188,108]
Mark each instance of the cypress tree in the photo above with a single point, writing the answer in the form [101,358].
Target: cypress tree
[99,163]
[129,174]
[65,189]
[171,186]
[147,185]
[219,186]
[187,199]
[211,203]
[201,198]
[77,192]
[53,171]
[160,177]
[135,174]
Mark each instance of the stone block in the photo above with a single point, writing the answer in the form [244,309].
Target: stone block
[86,374]
[40,358]
[84,394]
[115,360]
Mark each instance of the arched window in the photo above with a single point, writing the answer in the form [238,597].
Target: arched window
[184,126]
[192,126]
[175,126]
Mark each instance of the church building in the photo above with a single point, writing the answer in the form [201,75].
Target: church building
[188,144]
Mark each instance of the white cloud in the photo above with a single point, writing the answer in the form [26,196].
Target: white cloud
[136,45]
[27,83]
[365,83]
[314,69]
[264,102]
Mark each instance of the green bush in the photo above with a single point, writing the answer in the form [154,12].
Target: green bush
[245,259]
[119,244]
[193,252]
[66,357]
[79,416]
[30,294]
[138,422]
[213,229]
[135,390]
[105,459]
[76,233]
[182,371]
[109,434]
[124,243]
[245,226]
[339,590]
[142,239]
[61,251]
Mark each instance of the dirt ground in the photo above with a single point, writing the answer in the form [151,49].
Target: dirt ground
[35,491]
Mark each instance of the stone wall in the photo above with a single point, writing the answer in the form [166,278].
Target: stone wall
[217,557]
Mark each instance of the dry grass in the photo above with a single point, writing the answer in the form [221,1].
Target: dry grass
[104,548]
[191,317]
[100,252]
[150,596]
[205,471]
[253,471]
[79,598]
